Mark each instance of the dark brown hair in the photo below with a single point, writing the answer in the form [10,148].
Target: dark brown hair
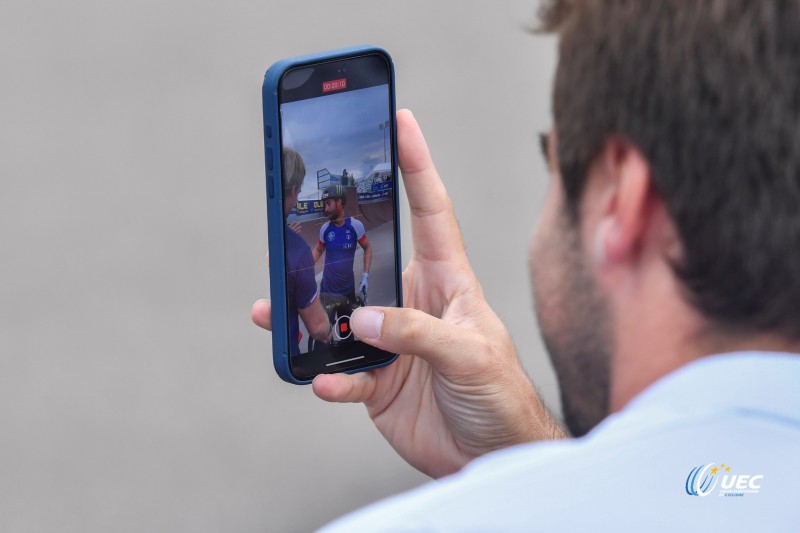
[709,91]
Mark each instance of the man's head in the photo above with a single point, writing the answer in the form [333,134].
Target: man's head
[334,199]
[674,205]
[294,171]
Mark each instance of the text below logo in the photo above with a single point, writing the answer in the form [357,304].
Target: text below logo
[702,480]
[334,85]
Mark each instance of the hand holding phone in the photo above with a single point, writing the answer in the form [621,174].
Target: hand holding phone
[463,393]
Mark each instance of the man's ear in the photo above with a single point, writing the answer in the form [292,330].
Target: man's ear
[627,202]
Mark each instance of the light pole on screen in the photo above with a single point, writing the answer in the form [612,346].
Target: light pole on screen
[384,126]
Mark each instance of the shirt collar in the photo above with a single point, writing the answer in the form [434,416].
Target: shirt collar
[759,382]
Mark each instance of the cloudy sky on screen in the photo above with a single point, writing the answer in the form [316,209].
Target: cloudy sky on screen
[337,132]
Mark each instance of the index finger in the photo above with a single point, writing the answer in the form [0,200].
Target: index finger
[261,314]
[435,231]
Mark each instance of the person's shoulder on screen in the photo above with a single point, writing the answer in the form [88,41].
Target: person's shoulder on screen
[298,252]
[358,227]
[322,230]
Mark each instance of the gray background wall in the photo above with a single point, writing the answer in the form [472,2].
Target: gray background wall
[135,394]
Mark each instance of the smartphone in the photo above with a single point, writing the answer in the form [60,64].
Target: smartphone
[332,207]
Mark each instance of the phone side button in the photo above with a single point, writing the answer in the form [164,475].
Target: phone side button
[270,186]
[269,158]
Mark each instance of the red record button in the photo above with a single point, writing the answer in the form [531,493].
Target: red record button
[342,330]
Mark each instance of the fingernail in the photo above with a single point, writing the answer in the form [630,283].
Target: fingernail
[367,323]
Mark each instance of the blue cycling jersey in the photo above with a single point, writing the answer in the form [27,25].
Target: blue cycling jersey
[340,249]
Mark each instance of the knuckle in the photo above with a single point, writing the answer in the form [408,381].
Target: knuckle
[415,330]
[483,347]
[484,352]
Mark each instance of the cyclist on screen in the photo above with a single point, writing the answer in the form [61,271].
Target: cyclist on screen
[337,240]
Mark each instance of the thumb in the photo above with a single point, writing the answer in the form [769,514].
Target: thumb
[444,346]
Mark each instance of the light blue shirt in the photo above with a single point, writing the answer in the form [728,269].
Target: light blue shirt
[713,446]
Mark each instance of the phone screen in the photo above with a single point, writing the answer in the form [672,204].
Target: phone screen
[340,219]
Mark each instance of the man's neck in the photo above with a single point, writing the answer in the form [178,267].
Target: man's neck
[653,352]
[339,222]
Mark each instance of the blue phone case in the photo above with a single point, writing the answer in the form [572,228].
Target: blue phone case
[272,151]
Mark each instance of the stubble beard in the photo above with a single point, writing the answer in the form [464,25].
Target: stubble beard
[575,326]
[336,215]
